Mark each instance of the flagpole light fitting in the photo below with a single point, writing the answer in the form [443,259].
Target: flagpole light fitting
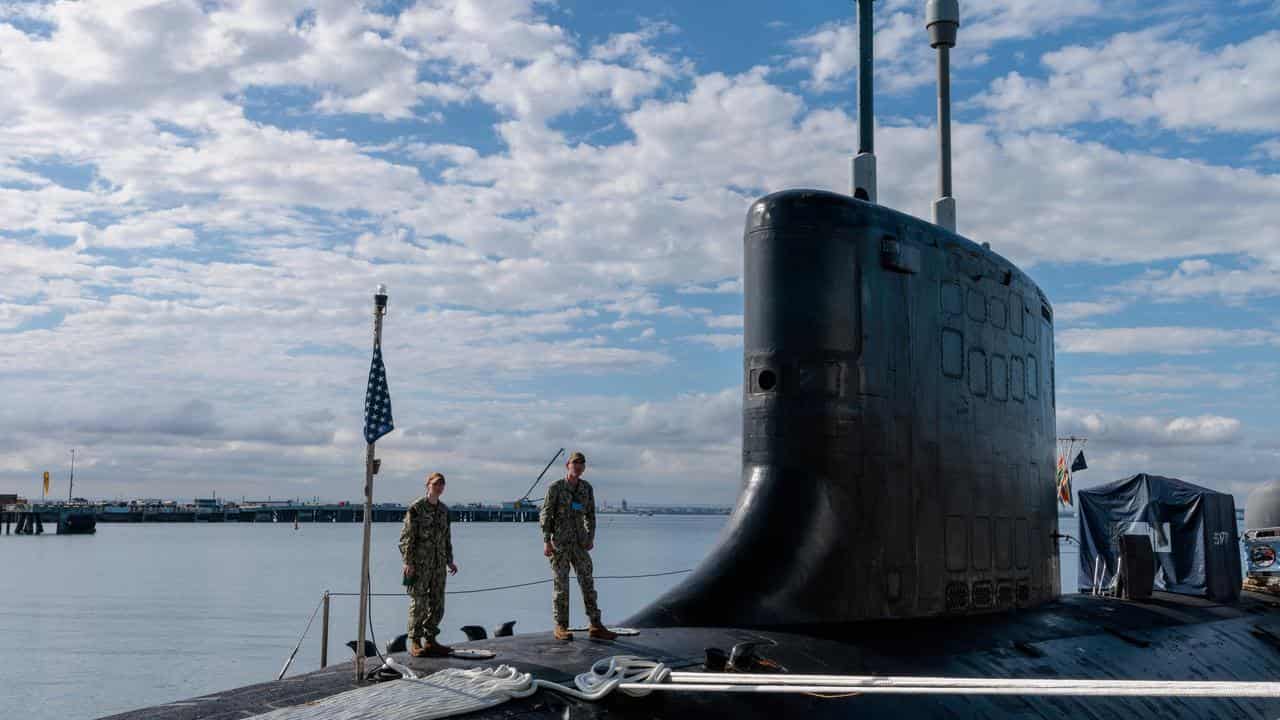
[380,296]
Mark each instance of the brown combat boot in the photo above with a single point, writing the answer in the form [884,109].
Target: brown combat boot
[431,648]
[600,632]
[562,633]
[415,649]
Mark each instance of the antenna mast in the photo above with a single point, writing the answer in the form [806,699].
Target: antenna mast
[864,163]
[942,18]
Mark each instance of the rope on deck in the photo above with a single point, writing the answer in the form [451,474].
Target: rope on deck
[454,691]
[449,692]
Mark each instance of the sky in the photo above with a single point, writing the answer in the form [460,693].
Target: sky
[197,199]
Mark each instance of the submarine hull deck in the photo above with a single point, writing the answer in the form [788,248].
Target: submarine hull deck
[1169,637]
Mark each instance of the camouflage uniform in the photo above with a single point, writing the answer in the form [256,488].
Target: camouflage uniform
[568,519]
[427,548]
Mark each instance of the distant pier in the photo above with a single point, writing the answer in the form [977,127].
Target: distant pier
[81,516]
[30,519]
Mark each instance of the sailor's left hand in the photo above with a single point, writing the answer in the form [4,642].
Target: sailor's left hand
[453,569]
[589,546]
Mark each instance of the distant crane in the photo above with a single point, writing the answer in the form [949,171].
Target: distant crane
[539,479]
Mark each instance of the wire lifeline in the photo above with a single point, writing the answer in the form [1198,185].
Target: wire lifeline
[401,669]
[526,584]
[391,664]
[302,637]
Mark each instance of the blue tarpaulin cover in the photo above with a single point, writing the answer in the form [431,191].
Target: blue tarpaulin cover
[1192,530]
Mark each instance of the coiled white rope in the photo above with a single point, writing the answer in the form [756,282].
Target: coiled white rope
[639,675]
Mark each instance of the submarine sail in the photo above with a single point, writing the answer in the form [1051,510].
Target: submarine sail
[898,421]
[898,427]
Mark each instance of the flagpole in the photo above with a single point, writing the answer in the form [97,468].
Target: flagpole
[379,309]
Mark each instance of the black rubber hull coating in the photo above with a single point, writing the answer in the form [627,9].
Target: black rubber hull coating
[898,428]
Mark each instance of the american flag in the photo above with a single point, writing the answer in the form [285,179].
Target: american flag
[377,401]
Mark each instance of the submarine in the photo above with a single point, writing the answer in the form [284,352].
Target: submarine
[897,515]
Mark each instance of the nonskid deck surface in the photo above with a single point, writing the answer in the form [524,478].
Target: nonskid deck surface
[1169,637]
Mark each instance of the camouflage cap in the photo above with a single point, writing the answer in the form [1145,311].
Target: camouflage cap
[576,456]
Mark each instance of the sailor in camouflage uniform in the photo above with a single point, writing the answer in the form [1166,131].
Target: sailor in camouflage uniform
[427,549]
[568,520]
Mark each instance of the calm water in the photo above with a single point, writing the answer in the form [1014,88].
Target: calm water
[140,615]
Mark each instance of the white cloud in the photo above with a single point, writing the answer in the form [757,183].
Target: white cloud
[723,321]
[1081,201]
[903,58]
[1149,430]
[985,22]
[1172,340]
[719,341]
[724,287]
[830,53]
[13,315]
[154,230]
[1201,278]
[1198,266]
[549,86]
[1172,377]
[230,234]
[1210,450]
[1069,312]
[482,33]
[179,61]
[1150,76]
